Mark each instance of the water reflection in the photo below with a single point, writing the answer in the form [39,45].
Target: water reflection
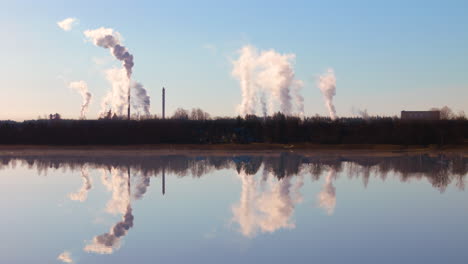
[327,197]
[266,204]
[439,170]
[120,203]
[270,183]
[82,194]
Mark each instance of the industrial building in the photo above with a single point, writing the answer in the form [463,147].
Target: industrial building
[420,115]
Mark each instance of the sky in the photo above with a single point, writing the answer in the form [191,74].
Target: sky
[387,56]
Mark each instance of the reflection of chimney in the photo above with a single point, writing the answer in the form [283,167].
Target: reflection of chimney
[164,180]
[163,103]
[128,183]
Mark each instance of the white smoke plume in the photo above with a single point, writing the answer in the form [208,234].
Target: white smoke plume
[65,257]
[117,99]
[327,197]
[297,87]
[82,88]
[82,194]
[266,75]
[266,208]
[327,84]
[362,113]
[244,71]
[109,39]
[141,100]
[119,203]
[67,24]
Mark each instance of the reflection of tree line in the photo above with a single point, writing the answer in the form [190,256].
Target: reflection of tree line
[439,170]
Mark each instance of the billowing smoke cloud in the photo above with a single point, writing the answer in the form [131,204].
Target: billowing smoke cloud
[267,75]
[141,100]
[327,197]
[327,84]
[67,24]
[120,202]
[266,207]
[82,194]
[117,99]
[109,39]
[82,88]
[65,257]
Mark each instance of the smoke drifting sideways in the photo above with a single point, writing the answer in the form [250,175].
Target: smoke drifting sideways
[116,100]
[82,88]
[267,77]
[82,194]
[266,206]
[327,197]
[327,84]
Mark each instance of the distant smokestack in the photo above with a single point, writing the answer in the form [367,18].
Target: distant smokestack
[164,103]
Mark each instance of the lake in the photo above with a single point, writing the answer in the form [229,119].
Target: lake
[259,207]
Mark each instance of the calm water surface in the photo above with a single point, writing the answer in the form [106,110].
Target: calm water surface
[228,208]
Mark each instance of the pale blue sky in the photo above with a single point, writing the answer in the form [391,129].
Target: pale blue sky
[387,55]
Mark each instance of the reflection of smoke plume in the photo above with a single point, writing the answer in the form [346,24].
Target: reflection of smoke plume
[141,187]
[267,73]
[82,88]
[120,202]
[141,100]
[117,99]
[269,210]
[106,243]
[82,194]
[120,196]
[327,84]
[65,257]
[327,197]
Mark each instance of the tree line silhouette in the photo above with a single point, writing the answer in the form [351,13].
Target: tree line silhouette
[199,128]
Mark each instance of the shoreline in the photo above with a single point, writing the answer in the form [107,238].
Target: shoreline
[230,149]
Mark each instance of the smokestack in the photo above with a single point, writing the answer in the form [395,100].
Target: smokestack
[128,102]
[164,103]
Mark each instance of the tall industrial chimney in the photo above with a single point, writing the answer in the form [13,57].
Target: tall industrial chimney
[128,109]
[164,103]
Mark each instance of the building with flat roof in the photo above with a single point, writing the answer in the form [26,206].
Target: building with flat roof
[420,115]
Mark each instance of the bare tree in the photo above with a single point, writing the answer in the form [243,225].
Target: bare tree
[180,113]
[198,114]
[445,112]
